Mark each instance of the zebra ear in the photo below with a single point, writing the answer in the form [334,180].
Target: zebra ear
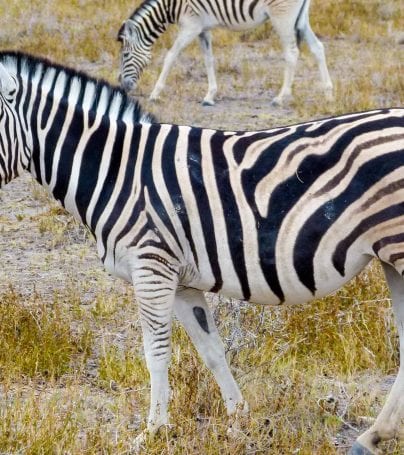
[7,83]
[121,33]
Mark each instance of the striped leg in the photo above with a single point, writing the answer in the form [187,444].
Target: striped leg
[155,286]
[205,39]
[194,314]
[185,36]
[390,421]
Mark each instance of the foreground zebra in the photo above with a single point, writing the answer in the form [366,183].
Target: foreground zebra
[277,216]
[290,19]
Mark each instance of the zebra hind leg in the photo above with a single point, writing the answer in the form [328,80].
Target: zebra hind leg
[317,49]
[192,311]
[287,35]
[390,421]
[205,40]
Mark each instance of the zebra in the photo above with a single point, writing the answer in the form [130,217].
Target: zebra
[290,18]
[283,215]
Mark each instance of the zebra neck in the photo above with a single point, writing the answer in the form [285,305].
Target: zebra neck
[79,154]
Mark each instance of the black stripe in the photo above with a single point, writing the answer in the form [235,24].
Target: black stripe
[365,225]
[69,146]
[253,4]
[234,9]
[230,212]
[242,10]
[35,163]
[53,137]
[389,240]
[226,10]
[48,102]
[173,188]
[90,165]
[194,160]
[396,257]
[243,142]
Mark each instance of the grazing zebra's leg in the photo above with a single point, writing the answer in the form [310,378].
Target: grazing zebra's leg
[288,39]
[185,36]
[192,311]
[205,39]
[317,49]
[390,421]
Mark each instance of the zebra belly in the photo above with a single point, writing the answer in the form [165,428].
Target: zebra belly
[327,280]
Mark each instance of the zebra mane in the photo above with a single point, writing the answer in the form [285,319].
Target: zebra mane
[146,7]
[39,67]
[144,10]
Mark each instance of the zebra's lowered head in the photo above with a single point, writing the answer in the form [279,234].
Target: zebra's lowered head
[13,146]
[135,55]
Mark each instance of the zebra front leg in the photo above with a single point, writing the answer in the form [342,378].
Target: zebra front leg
[205,39]
[390,421]
[155,295]
[185,36]
[192,311]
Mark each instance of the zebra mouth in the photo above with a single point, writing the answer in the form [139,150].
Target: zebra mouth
[127,84]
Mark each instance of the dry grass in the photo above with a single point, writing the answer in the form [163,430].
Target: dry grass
[72,375]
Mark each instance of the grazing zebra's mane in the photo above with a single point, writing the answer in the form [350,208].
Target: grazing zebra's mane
[114,100]
[148,6]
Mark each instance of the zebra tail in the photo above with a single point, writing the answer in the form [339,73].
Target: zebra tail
[301,21]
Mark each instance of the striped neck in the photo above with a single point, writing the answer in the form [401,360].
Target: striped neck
[76,128]
[152,18]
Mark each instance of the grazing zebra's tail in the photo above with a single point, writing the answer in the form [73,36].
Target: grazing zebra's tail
[302,21]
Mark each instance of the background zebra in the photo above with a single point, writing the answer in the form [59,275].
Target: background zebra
[290,19]
[276,216]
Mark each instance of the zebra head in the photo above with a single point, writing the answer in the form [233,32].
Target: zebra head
[11,137]
[135,54]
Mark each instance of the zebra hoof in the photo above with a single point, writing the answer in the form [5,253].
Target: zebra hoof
[208,103]
[276,102]
[359,449]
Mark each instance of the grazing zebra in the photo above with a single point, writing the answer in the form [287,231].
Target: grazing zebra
[290,19]
[278,216]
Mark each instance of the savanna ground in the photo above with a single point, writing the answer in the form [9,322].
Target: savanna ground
[72,376]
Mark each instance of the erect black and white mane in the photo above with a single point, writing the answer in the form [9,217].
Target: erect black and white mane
[115,101]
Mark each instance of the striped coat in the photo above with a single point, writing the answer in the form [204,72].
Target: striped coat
[196,18]
[277,216]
